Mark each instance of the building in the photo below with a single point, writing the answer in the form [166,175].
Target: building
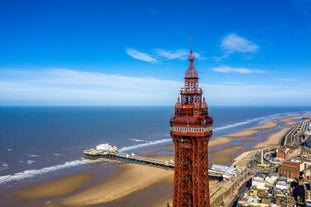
[191,130]
[226,172]
[286,152]
[291,169]
[307,188]
[259,183]
[270,180]
[270,190]
[253,201]
[281,185]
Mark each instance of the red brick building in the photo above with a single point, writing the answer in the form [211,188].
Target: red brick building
[285,152]
[291,169]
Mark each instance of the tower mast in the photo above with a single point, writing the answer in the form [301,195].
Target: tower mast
[191,130]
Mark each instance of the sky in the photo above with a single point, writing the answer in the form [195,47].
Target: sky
[100,52]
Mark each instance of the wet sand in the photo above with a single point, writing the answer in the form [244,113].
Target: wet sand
[273,140]
[59,187]
[250,132]
[226,155]
[138,185]
[133,178]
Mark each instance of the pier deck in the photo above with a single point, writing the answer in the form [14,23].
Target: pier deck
[93,153]
[129,158]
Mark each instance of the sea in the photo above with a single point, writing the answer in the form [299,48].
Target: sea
[42,141]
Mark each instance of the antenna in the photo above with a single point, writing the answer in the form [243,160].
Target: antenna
[191,41]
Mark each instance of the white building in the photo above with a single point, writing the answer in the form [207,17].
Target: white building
[259,182]
[270,180]
[281,185]
[227,172]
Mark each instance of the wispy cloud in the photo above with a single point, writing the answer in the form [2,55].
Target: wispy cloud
[235,43]
[232,43]
[66,86]
[226,69]
[181,54]
[257,94]
[161,54]
[141,55]
[61,86]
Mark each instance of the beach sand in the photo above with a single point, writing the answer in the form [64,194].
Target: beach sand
[254,130]
[220,141]
[226,155]
[250,132]
[58,187]
[139,185]
[273,140]
[132,178]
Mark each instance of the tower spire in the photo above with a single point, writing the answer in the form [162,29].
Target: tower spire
[191,72]
[190,42]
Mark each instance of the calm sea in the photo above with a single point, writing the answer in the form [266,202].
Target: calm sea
[37,141]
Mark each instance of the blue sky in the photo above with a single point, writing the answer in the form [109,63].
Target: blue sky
[96,52]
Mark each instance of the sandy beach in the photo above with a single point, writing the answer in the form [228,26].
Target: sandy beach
[54,188]
[132,178]
[138,185]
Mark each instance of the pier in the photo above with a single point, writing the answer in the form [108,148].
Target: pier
[96,153]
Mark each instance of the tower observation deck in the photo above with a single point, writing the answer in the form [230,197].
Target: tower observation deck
[191,130]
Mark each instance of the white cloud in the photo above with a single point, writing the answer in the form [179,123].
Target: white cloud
[257,94]
[141,55]
[234,43]
[181,54]
[226,69]
[61,86]
[161,54]
[66,86]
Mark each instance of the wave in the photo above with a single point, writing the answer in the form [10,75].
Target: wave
[237,124]
[34,172]
[261,119]
[33,155]
[167,140]
[138,140]
[161,141]
[29,162]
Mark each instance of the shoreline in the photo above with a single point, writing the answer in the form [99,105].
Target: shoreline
[131,183]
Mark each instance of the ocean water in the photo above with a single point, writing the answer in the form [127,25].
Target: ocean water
[36,141]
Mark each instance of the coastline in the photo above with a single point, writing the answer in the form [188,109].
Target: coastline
[145,185]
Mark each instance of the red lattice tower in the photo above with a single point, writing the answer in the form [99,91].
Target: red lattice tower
[191,130]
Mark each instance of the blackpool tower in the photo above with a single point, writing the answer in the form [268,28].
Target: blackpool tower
[191,130]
